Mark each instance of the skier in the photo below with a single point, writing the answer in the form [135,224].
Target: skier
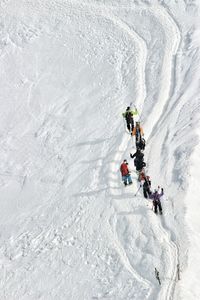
[139,163]
[156,200]
[126,177]
[138,132]
[138,154]
[147,187]
[128,115]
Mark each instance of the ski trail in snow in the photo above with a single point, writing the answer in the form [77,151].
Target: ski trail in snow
[167,292]
[173,38]
[172,43]
[141,53]
[171,48]
[171,251]
[114,169]
[106,12]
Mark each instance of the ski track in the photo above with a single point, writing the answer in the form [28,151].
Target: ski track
[171,248]
[122,252]
[170,51]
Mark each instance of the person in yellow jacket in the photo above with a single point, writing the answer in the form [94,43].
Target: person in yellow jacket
[139,134]
[128,115]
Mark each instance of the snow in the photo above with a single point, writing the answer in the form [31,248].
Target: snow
[69,229]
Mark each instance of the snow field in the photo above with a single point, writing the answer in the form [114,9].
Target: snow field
[69,230]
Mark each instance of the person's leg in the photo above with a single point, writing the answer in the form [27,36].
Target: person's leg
[129,179]
[148,192]
[143,145]
[155,207]
[160,207]
[128,126]
[124,180]
[132,124]
[145,193]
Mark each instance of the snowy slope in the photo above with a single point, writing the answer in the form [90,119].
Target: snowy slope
[68,227]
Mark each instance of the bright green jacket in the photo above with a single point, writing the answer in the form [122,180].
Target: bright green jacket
[130,111]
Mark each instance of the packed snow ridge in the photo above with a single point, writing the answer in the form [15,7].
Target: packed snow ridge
[69,228]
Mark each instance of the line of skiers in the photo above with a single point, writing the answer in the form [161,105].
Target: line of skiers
[139,163]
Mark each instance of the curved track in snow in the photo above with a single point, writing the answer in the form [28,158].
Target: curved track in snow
[172,40]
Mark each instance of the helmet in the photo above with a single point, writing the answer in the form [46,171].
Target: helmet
[128,107]
[148,177]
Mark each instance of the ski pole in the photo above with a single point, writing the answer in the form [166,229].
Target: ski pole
[137,191]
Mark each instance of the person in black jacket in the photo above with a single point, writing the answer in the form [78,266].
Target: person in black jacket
[139,164]
[138,154]
[147,187]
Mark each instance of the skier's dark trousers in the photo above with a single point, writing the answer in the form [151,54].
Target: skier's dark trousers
[130,123]
[157,204]
[147,187]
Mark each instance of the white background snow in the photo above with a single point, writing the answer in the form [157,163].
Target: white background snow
[68,227]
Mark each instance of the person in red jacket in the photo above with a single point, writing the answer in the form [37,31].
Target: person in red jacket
[126,177]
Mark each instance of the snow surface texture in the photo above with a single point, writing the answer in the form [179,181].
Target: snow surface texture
[69,229]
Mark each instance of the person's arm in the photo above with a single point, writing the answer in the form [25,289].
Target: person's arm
[134,155]
[161,193]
